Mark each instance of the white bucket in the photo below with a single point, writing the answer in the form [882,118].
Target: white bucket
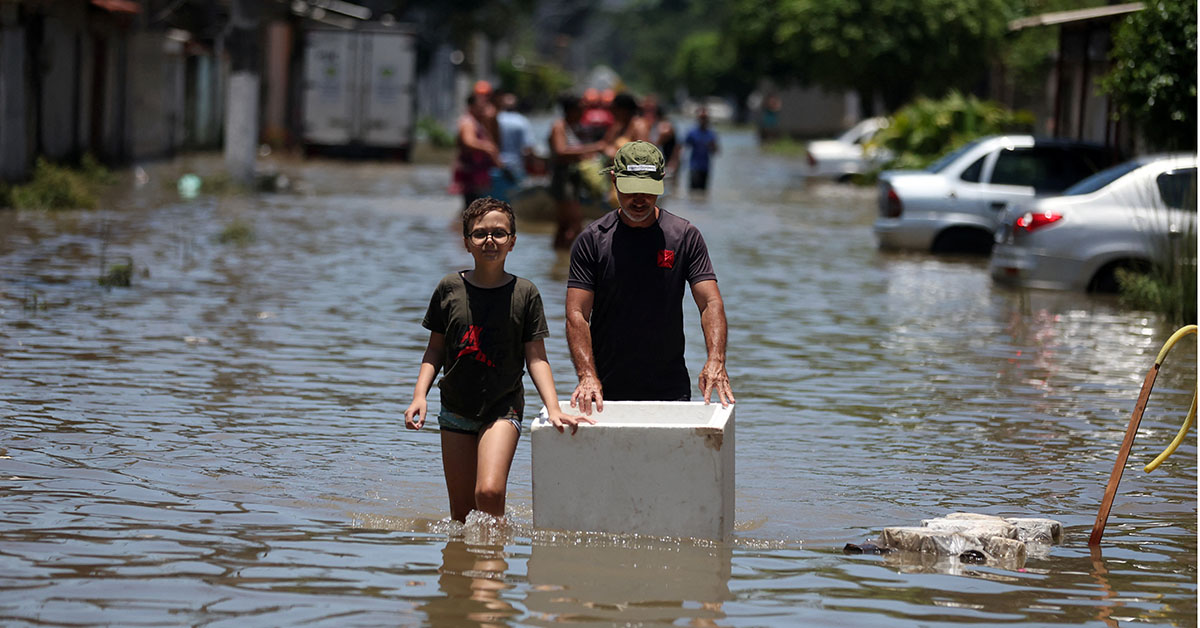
[663,468]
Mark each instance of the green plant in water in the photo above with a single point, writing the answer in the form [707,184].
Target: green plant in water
[785,146]
[95,172]
[55,187]
[438,137]
[237,232]
[1168,286]
[118,276]
[927,129]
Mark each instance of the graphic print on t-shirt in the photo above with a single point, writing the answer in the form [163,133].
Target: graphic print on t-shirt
[472,348]
[666,259]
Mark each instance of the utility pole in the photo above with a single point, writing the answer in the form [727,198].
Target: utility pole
[241,104]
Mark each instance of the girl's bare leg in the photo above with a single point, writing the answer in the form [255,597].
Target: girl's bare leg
[459,455]
[497,445]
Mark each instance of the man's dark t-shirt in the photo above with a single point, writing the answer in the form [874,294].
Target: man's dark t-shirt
[637,276]
[486,330]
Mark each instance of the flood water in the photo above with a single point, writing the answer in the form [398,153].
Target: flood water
[222,442]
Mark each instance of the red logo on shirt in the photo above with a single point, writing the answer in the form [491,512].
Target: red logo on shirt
[666,259]
[471,340]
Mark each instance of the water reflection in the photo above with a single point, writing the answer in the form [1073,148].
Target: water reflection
[472,580]
[628,582]
[1100,573]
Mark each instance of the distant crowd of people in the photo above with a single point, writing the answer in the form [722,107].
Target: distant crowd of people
[495,148]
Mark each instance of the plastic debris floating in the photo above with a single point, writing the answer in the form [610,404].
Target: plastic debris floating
[970,538]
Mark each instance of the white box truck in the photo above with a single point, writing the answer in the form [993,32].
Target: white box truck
[359,90]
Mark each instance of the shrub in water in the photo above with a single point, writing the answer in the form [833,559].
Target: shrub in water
[438,137]
[118,276]
[54,187]
[236,232]
[927,129]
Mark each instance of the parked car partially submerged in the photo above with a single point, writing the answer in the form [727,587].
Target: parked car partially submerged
[1134,215]
[848,154]
[956,204]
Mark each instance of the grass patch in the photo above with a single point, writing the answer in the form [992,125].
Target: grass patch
[118,276]
[786,147]
[60,187]
[437,136]
[1169,285]
[238,233]
[1169,288]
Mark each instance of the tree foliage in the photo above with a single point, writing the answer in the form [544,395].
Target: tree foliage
[1153,77]
[537,85]
[896,48]
[660,45]
[926,129]
[707,65]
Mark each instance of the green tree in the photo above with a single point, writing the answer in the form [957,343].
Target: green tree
[707,65]
[1153,77]
[646,38]
[925,129]
[895,48]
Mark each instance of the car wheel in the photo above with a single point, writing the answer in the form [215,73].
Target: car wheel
[1105,279]
[963,240]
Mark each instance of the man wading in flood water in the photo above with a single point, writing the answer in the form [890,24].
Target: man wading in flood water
[625,296]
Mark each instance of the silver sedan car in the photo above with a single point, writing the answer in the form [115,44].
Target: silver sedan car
[1133,215]
[955,204]
[849,154]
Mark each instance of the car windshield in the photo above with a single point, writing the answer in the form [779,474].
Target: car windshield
[1103,178]
[856,133]
[948,158]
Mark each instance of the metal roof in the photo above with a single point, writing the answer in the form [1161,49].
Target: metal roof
[1079,15]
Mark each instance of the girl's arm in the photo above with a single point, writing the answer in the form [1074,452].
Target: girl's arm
[539,371]
[431,363]
[466,133]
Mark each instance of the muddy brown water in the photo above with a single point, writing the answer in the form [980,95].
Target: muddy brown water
[221,443]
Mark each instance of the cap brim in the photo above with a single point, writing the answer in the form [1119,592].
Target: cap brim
[639,185]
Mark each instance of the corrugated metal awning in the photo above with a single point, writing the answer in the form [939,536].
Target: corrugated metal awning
[1079,15]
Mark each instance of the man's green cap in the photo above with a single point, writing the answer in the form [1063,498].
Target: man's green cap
[640,168]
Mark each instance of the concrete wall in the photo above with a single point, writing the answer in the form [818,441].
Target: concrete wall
[15,142]
[155,117]
[58,67]
[811,112]
[278,53]
[76,79]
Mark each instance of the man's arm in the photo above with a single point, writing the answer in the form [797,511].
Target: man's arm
[579,342]
[712,320]
[560,147]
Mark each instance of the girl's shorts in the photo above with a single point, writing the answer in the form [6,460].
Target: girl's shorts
[460,424]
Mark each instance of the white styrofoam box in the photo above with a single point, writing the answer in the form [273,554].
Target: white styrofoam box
[646,467]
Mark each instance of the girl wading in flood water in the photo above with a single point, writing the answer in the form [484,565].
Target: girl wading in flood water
[484,326]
